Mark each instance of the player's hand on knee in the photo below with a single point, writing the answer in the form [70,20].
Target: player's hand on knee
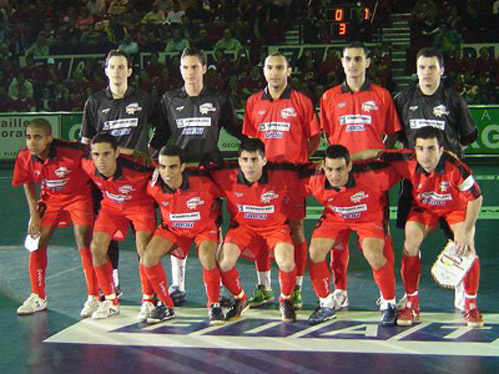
[463,240]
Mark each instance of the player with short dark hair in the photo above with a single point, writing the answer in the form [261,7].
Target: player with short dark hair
[189,210]
[257,195]
[353,199]
[285,120]
[123,182]
[442,186]
[432,102]
[191,118]
[65,192]
[359,115]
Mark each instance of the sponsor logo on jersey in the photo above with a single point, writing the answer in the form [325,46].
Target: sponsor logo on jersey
[413,108]
[183,225]
[206,108]
[238,194]
[288,112]
[434,198]
[132,108]
[37,173]
[117,198]
[193,122]
[341,105]
[358,197]
[99,184]
[194,202]
[120,124]
[165,203]
[55,184]
[256,209]
[127,188]
[355,122]
[62,171]
[120,132]
[195,216]
[268,196]
[255,216]
[179,108]
[348,211]
[444,186]
[440,111]
[274,135]
[274,126]
[193,131]
[367,106]
[418,123]
[262,112]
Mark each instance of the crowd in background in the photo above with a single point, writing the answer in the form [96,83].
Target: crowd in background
[237,30]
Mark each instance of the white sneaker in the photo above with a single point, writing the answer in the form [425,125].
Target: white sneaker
[32,304]
[90,306]
[459,297]
[106,309]
[145,311]
[340,299]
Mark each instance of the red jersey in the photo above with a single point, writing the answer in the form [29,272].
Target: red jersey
[126,188]
[362,199]
[284,124]
[442,191]
[258,205]
[192,207]
[358,120]
[60,175]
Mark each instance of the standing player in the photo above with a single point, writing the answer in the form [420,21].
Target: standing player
[442,186]
[191,118]
[353,197]
[65,190]
[433,103]
[123,183]
[256,199]
[285,120]
[121,111]
[189,210]
[360,116]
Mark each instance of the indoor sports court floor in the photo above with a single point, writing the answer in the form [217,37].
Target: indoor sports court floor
[57,341]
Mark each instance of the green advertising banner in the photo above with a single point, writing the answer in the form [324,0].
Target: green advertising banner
[67,126]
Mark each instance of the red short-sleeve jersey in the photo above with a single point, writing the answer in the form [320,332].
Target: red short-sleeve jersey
[358,120]
[192,207]
[362,199]
[284,124]
[126,188]
[445,189]
[60,175]
[259,205]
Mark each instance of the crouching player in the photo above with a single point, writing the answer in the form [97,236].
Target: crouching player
[123,183]
[353,197]
[443,186]
[256,199]
[65,190]
[189,211]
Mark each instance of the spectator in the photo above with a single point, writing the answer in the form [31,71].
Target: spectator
[18,84]
[6,102]
[175,15]
[45,103]
[177,43]
[117,7]
[447,40]
[129,46]
[202,42]
[97,7]
[24,103]
[85,20]
[228,43]
[39,48]
[154,67]
[155,16]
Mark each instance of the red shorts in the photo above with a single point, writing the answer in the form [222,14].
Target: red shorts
[183,242]
[337,230]
[77,208]
[111,221]
[251,241]
[427,218]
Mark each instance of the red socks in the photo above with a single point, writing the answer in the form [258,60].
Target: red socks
[232,281]
[89,272]
[320,276]
[262,260]
[145,284]
[287,280]
[339,265]
[157,278]
[385,279]
[471,283]
[104,275]
[37,271]
[301,254]
[211,280]
[411,272]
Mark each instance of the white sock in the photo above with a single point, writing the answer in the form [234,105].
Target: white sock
[327,302]
[116,278]
[178,272]
[264,278]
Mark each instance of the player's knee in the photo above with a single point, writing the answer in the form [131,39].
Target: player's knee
[376,259]
[207,259]
[316,254]
[411,246]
